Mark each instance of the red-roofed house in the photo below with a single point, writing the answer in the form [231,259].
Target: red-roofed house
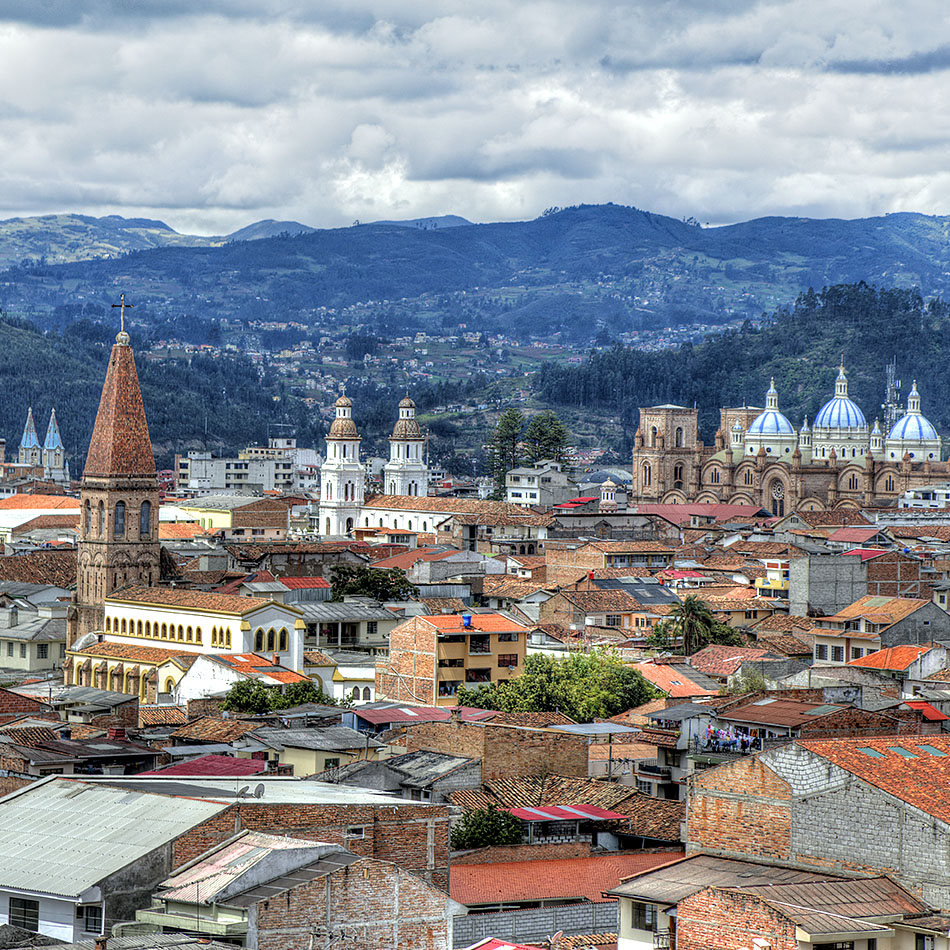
[911,665]
[431,656]
[676,680]
[843,539]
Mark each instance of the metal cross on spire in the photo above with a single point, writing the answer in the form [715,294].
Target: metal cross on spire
[122,305]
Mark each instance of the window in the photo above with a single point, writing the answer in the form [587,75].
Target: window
[821,651]
[856,653]
[10,648]
[837,654]
[647,477]
[282,641]
[42,651]
[25,913]
[355,831]
[507,637]
[259,640]
[372,627]
[92,919]
[507,659]
[921,941]
[271,640]
[331,763]
[613,620]
[644,786]
[22,651]
[118,524]
[643,916]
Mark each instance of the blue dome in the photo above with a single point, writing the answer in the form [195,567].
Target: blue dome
[840,413]
[771,422]
[913,427]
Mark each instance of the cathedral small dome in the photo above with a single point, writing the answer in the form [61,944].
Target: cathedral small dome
[343,428]
[771,422]
[344,402]
[913,427]
[406,429]
[840,413]
[406,403]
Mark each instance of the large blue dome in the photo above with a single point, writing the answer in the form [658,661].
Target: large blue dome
[771,422]
[840,413]
[913,427]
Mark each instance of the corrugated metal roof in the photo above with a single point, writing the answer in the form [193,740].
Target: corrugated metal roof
[77,833]
[329,611]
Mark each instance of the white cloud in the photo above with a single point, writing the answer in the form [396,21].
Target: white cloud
[377,108]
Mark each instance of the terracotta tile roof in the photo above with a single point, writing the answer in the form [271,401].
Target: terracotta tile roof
[408,558]
[650,817]
[253,665]
[840,516]
[537,719]
[211,729]
[784,645]
[26,502]
[892,658]
[920,777]
[128,651]
[435,605]
[639,715]
[161,716]
[305,583]
[194,599]
[481,623]
[603,941]
[586,878]
[853,535]
[212,765]
[941,676]
[632,547]
[41,567]
[120,443]
[47,522]
[491,511]
[510,587]
[659,737]
[672,680]
[880,610]
[681,514]
[180,530]
[940,532]
[528,561]
[783,622]
[593,601]
[715,660]
[317,658]
[779,712]
[764,549]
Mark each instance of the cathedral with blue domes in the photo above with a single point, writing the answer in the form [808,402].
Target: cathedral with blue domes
[760,458]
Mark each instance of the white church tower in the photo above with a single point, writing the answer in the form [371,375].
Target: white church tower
[406,472]
[342,476]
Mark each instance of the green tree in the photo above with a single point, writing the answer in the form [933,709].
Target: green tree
[662,636]
[546,437]
[484,827]
[504,450]
[378,583]
[583,686]
[252,696]
[693,623]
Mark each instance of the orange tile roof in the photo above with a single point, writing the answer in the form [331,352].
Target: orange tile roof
[41,567]
[922,779]
[185,530]
[481,623]
[253,664]
[892,658]
[408,558]
[671,679]
[41,522]
[161,716]
[211,729]
[880,609]
[128,651]
[715,660]
[120,443]
[585,878]
[24,502]
[194,599]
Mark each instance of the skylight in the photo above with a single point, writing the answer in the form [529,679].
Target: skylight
[872,753]
[900,750]
[931,750]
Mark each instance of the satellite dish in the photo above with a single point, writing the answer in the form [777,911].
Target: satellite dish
[259,791]
[241,792]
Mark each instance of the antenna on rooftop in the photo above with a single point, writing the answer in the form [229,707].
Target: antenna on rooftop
[259,790]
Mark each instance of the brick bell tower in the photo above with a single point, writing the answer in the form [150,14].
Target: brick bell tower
[118,534]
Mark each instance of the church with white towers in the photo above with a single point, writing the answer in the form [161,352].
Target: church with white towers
[343,475]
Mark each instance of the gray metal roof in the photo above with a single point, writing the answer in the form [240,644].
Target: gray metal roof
[593,728]
[266,587]
[219,502]
[77,833]
[36,629]
[683,711]
[674,882]
[70,695]
[324,739]
[328,611]
[424,767]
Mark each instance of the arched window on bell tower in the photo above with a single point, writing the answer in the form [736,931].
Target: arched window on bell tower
[145,520]
[118,522]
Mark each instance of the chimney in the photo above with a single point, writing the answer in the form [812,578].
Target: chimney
[276,659]
[116,732]
[101,943]
[455,713]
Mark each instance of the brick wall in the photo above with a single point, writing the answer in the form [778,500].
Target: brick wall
[522,852]
[13,703]
[741,808]
[375,903]
[853,722]
[407,675]
[504,750]
[896,575]
[416,837]
[730,920]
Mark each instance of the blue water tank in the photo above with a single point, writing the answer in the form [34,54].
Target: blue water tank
[466,620]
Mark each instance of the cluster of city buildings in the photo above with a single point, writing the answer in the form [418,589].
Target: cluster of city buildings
[784,787]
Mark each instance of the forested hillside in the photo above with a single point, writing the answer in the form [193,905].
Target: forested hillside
[577,274]
[800,346]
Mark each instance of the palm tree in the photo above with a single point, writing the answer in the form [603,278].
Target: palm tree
[694,622]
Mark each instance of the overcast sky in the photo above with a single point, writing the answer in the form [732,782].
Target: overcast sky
[326,111]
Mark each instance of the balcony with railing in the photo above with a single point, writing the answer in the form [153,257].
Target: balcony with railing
[664,940]
[654,769]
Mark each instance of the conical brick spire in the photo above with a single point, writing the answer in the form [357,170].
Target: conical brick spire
[120,443]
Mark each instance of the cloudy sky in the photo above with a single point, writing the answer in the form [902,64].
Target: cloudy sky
[326,111]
